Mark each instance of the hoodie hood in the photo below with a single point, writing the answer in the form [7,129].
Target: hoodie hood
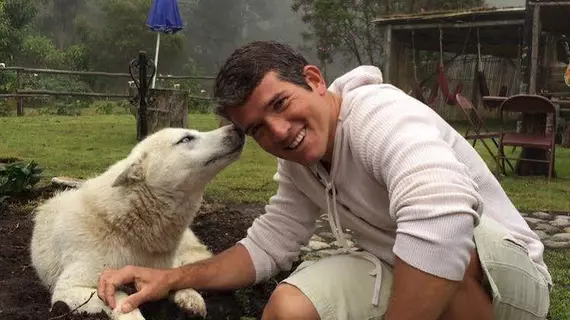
[357,77]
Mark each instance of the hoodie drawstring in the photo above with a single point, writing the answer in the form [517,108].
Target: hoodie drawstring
[334,220]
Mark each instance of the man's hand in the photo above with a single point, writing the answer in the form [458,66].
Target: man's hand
[229,270]
[151,285]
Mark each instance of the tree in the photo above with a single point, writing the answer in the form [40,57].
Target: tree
[56,20]
[216,27]
[341,28]
[15,16]
[345,27]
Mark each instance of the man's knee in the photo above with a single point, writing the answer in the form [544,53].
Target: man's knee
[288,302]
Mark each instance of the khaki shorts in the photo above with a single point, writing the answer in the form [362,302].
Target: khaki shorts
[341,288]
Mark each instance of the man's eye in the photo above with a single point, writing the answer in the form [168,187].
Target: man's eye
[279,105]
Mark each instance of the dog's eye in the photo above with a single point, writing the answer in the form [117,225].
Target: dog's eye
[186,139]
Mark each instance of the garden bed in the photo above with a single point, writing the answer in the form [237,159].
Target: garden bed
[23,297]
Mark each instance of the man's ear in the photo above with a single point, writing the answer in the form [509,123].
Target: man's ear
[132,174]
[315,79]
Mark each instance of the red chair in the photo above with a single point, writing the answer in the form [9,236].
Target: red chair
[477,125]
[531,108]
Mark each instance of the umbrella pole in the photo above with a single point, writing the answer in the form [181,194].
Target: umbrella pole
[156,59]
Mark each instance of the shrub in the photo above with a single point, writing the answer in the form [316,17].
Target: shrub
[18,177]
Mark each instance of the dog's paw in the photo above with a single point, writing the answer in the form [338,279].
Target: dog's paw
[133,315]
[190,301]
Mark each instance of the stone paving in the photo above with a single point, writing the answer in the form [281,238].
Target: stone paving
[552,229]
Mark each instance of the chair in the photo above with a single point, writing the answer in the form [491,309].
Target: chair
[530,107]
[477,125]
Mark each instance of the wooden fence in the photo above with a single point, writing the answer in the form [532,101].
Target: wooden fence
[21,93]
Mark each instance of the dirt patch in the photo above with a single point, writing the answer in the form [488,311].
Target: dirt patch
[23,297]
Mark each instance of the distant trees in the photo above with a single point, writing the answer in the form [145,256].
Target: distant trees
[106,34]
[15,17]
[344,28]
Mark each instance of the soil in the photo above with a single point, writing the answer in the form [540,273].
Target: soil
[22,296]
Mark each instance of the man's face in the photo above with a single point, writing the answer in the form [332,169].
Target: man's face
[287,120]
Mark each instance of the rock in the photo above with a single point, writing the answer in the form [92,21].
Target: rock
[348,242]
[567,230]
[67,182]
[546,227]
[316,255]
[542,235]
[317,238]
[561,222]
[327,253]
[541,215]
[318,245]
[556,245]
[560,237]
[524,214]
[533,222]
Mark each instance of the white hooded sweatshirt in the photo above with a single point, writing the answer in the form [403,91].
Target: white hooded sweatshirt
[402,179]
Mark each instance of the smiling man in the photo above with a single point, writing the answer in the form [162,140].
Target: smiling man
[438,237]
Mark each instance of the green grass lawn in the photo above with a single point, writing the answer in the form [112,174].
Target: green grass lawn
[86,145]
[532,193]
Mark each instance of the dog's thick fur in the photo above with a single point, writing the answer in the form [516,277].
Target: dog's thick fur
[138,212]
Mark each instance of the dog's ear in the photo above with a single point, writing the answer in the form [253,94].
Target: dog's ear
[132,174]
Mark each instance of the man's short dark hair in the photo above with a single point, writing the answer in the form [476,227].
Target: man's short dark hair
[244,69]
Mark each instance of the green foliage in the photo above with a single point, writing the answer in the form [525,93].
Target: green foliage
[15,15]
[18,177]
[104,107]
[342,27]
[40,52]
[19,13]
[7,81]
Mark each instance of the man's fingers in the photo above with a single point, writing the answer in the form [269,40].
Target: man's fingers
[110,295]
[134,301]
[110,280]
[101,288]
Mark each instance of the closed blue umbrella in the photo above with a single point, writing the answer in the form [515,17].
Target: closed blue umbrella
[164,17]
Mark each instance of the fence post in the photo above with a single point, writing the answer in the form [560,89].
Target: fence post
[143,90]
[20,107]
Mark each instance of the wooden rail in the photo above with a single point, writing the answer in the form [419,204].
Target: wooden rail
[97,73]
[21,93]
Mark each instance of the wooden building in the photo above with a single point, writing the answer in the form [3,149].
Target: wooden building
[520,49]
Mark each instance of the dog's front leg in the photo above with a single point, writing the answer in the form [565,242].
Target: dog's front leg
[77,288]
[190,250]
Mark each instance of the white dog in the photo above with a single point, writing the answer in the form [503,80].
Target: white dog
[136,213]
